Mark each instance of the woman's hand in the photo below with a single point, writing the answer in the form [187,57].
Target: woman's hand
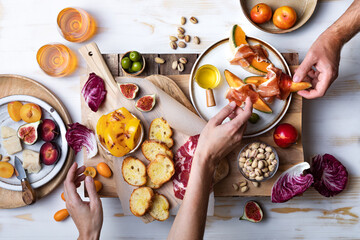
[217,139]
[87,216]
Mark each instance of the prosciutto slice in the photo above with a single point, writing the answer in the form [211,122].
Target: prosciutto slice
[245,53]
[271,86]
[240,94]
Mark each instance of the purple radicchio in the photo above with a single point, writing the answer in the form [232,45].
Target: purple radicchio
[94,91]
[79,136]
[291,183]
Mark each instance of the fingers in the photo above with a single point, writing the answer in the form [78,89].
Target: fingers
[93,196]
[69,185]
[304,68]
[80,170]
[79,179]
[224,113]
[242,114]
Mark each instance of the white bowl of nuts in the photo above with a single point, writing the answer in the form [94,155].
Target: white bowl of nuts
[258,161]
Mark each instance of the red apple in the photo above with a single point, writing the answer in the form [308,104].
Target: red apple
[260,13]
[284,17]
[285,135]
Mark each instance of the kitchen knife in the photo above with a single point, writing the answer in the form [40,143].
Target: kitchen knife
[28,194]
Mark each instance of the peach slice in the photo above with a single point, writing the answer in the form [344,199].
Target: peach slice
[30,112]
[6,170]
[14,110]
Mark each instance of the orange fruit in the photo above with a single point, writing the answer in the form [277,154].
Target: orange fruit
[61,215]
[14,110]
[30,112]
[90,171]
[6,170]
[63,197]
[104,170]
[98,185]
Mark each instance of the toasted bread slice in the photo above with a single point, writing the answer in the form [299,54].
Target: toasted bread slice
[151,148]
[141,200]
[160,207]
[161,131]
[161,169]
[134,171]
[152,185]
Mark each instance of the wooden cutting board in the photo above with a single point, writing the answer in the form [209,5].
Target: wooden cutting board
[12,85]
[288,157]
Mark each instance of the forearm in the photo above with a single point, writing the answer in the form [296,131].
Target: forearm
[347,26]
[191,217]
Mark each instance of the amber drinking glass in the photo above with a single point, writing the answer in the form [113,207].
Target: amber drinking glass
[76,25]
[56,60]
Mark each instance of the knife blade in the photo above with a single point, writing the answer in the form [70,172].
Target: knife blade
[28,194]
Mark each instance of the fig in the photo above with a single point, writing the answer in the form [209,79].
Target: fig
[146,103]
[48,130]
[29,132]
[49,153]
[129,90]
[252,212]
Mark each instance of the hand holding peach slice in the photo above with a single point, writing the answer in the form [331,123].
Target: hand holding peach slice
[294,87]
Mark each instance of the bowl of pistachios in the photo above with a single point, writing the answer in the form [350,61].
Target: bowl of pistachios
[258,161]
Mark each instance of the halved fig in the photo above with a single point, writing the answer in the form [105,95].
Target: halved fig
[146,103]
[29,132]
[48,130]
[252,212]
[49,153]
[129,90]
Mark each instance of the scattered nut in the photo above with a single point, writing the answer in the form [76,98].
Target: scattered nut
[174,65]
[242,183]
[258,172]
[183,20]
[253,153]
[193,20]
[244,189]
[197,40]
[260,164]
[235,186]
[183,60]
[173,45]
[260,156]
[180,67]
[181,36]
[182,44]
[173,38]
[159,60]
[6,159]
[187,38]
[256,184]
[181,30]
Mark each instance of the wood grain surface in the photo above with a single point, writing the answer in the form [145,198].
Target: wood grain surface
[12,85]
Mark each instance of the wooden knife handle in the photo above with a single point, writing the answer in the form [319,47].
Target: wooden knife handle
[210,100]
[28,194]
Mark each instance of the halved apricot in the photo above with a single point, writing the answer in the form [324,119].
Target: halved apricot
[90,171]
[30,112]
[104,170]
[6,170]
[14,110]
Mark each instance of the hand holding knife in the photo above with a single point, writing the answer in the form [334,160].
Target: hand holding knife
[28,194]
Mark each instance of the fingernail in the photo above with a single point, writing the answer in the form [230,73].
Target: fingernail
[296,78]
[232,104]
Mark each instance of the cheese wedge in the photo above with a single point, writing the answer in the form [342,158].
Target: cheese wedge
[31,161]
[12,145]
[7,132]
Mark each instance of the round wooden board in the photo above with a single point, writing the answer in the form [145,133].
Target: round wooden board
[15,84]
[304,10]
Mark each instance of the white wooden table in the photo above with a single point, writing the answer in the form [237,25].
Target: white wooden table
[331,124]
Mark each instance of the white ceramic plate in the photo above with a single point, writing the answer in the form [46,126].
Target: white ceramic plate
[218,55]
[47,172]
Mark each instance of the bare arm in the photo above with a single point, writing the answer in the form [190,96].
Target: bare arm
[215,142]
[324,54]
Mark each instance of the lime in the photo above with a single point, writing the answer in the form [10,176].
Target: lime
[135,56]
[136,66]
[126,63]
[254,118]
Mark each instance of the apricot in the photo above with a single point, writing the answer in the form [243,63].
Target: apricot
[61,215]
[6,170]
[14,110]
[104,170]
[90,171]
[30,112]
[98,185]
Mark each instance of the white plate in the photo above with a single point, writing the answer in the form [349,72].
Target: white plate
[218,55]
[47,172]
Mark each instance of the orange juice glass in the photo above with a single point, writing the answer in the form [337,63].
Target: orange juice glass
[56,60]
[76,25]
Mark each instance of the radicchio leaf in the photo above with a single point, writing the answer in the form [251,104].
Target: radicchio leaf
[79,136]
[94,91]
[330,176]
[291,183]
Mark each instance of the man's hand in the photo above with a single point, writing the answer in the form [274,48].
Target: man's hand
[217,139]
[320,66]
[88,216]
